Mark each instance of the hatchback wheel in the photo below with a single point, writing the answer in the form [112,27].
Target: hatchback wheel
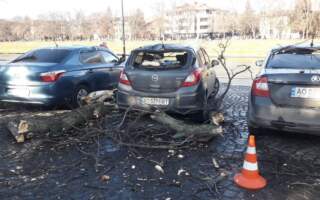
[215,89]
[79,93]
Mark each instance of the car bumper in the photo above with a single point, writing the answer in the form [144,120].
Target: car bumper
[262,113]
[183,101]
[40,94]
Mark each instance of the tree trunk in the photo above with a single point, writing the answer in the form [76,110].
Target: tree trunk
[28,128]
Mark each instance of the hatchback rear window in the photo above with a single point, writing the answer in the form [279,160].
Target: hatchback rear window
[160,60]
[295,61]
[44,56]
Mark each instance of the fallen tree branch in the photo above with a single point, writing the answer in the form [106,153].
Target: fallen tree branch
[28,128]
[98,96]
[186,130]
[231,74]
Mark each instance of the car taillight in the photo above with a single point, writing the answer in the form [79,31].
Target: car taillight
[192,79]
[260,87]
[124,78]
[51,76]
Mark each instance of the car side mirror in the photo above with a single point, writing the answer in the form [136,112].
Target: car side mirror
[259,63]
[214,63]
[122,59]
[115,61]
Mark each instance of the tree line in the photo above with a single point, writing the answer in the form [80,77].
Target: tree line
[302,19]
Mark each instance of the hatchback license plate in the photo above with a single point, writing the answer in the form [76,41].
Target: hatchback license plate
[300,92]
[154,101]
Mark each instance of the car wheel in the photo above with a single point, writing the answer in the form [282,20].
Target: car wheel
[80,92]
[254,130]
[215,88]
[202,115]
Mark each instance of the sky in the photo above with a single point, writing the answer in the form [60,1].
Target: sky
[34,8]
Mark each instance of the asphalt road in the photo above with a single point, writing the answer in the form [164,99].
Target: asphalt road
[52,168]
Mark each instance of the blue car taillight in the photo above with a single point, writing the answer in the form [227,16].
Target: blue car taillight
[51,76]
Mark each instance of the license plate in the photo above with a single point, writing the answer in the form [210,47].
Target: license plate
[154,101]
[300,92]
[20,92]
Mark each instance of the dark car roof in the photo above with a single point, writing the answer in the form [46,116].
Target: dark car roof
[75,48]
[159,47]
[297,46]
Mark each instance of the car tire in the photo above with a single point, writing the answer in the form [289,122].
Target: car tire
[79,92]
[199,116]
[255,130]
[216,89]
[202,115]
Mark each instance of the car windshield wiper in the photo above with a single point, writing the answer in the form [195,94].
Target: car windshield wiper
[31,57]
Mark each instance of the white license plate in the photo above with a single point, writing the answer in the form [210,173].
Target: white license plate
[300,92]
[19,92]
[154,101]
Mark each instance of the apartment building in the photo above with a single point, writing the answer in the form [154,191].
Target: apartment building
[190,21]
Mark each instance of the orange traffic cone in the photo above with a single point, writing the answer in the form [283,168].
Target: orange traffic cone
[249,178]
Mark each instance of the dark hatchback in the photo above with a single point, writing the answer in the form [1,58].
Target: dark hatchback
[286,94]
[59,75]
[174,78]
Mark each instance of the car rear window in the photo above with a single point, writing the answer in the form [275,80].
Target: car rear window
[295,61]
[160,60]
[44,56]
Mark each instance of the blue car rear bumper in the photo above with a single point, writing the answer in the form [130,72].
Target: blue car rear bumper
[47,94]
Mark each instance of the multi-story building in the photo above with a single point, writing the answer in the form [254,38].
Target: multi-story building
[118,28]
[189,21]
[276,26]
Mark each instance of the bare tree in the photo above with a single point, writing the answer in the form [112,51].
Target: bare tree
[248,22]
[136,22]
[304,19]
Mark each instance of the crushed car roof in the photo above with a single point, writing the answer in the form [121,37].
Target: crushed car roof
[160,47]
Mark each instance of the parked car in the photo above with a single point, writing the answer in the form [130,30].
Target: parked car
[286,94]
[174,78]
[51,76]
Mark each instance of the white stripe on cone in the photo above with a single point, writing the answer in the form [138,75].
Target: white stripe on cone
[251,150]
[250,166]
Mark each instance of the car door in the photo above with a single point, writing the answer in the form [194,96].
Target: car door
[210,71]
[113,67]
[203,66]
[96,70]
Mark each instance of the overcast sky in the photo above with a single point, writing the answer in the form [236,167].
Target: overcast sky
[34,8]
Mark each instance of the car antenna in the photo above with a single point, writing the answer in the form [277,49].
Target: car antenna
[163,46]
[55,42]
[312,43]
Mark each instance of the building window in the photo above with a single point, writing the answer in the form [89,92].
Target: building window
[203,19]
[204,27]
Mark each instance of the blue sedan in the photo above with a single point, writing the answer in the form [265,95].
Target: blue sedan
[60,75]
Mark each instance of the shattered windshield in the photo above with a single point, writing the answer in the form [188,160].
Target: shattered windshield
[160,60]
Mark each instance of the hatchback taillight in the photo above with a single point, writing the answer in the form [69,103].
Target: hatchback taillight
[124,78]
[260,87]
[192,79]
[51,76]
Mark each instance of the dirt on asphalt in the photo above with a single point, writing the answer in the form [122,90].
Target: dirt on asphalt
[53,168]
